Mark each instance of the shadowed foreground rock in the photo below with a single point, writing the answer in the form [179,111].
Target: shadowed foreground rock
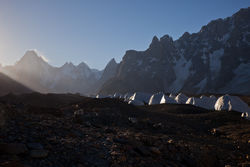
[108,132]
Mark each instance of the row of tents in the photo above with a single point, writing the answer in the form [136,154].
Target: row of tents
[225,102]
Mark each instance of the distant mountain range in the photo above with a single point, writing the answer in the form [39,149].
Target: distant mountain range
[31,70]
[214,60]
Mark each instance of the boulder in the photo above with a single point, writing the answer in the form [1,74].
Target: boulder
[36,146]
[2,116]
[13,148]
[39,153]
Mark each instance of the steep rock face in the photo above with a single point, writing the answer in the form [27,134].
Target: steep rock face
[219,54]
[109,72]
[152,66]
[215,60]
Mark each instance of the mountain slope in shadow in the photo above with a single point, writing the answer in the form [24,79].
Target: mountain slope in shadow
[8,85]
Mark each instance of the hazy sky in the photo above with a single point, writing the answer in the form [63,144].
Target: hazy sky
[94,31]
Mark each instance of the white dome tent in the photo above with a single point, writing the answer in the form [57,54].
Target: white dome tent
[117,95]
[167,100]
[136,102]
[191,100]
[181,98]
[172,96]
[208,102]
[156,98]
[127,96]
[103,96]
[230,103]
[139,98]
[203,102]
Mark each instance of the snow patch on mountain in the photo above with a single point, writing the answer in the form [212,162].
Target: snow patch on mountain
[153,59]
[139,62]
[201,85]
[224,38]
[182,72]
[215,61]
[246,38]
[241,79]
[204,57]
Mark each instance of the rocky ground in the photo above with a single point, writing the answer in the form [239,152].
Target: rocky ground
[72,131]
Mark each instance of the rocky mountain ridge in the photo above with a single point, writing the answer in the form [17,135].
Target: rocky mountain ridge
[214,60]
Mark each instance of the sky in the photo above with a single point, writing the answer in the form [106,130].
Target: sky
[95,31]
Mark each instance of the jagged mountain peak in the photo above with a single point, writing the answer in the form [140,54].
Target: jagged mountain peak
[155,39]
[242,12]
[155,42]
[31,56]
[165,41]
[185,35]
[166,38]
[67,64]
[83,65]
[30,53]
[112,62]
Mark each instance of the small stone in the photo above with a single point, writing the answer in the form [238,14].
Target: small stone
[155,150]
[13,148]
[170,141]
[121,141]
[35,146]
[12,164]
[142,150]
[2,117]
[80,165]
[158,125]
[246,164]
[132,120]
[215,132]
[114,153]
[108,130]
[87,124]
[123,158]
[39,153]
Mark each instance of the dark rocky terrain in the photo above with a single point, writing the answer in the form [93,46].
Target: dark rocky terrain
[69,130]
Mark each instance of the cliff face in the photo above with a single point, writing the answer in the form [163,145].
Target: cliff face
[216,60]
